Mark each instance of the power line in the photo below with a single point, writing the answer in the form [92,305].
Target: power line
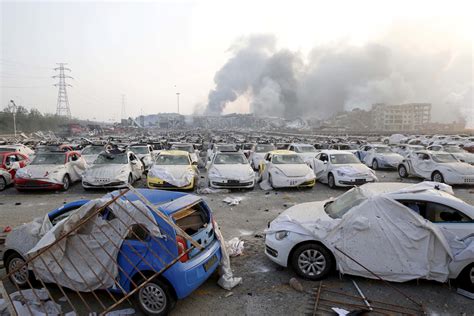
[62,107]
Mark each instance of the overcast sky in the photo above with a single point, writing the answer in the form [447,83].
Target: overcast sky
[148,51]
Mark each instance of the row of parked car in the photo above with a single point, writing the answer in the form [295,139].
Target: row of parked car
[297,165]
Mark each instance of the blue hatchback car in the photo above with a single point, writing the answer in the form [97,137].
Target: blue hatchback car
[137,257]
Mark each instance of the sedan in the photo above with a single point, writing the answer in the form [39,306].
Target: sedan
[230,170]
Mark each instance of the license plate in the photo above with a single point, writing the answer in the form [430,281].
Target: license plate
[210,263]
[360,181]
[233,181]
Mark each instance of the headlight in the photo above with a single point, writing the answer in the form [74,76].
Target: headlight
[281,234]
[213,173]
[340,173]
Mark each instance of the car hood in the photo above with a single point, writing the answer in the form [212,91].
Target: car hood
[107,171]
[176,172]
[240,171]
[460,167]
[42,171]
[296,170]
[353,169]
[391,158]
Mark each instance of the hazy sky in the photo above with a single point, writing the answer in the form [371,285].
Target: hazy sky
[144,49]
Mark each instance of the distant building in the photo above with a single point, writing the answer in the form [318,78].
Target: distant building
[402,117]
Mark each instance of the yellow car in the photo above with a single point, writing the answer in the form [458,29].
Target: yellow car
[172,169]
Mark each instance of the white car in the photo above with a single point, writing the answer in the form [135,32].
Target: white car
[461,154]
[400,230]
[193,152]
[285,169]
[258,152]
[436,166]
[113,170]
[90,153]
[379,156]
[305,151]
[230,170]
[51,170]
[340,168]
[173,169]
[22,149]
[5,179]
[144,153]
[405,149]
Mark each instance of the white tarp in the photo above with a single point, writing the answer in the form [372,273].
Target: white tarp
[382,234]
[86,249]
[227,280]
[178,178]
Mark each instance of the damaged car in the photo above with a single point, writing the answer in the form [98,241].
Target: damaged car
[379,157]
[173,169]
[144,152]
[230,170]
[305,151]
[113,170]
[458,152]
[285,169]
[402,231]
[436,166]
[136,227]
[91,152]
[340,168]
[6,179]
[51,171]
[258,152]
[189,148]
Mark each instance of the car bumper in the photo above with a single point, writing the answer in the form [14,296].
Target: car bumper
[156,183]
[458,179]
[292,182]
[33,184]
[105,185]
[278,250]
[218,183]
[351,181]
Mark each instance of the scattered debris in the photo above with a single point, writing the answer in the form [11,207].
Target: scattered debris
[296,285]
[18,203]
[228,294]
[212,191]
[232,201]
[235,247]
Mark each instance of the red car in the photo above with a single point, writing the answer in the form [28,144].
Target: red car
[8,159]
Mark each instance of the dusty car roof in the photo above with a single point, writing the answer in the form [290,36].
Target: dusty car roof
[174,152]
[282,152]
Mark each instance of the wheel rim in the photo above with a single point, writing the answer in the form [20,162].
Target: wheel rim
[331,181]
[66,183]
[471,275]
[402,172]
[3,184]
[437,177]
[153,298]
[311,262]
[21,275]
[375,165]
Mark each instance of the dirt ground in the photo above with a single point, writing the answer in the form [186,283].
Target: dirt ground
[265,289]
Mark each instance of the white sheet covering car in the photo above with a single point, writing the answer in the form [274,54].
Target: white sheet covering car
[461,154]
[144,153]
[405,149]
[400,231]
[230,170]
[437,166]
[173,169]
[189,148]
[51,170]
[5,179]
[113,170]
[340,168]
[285,169]
[305,151]
[258,152]
[379,156]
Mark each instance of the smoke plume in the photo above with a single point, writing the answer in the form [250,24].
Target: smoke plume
[342,77]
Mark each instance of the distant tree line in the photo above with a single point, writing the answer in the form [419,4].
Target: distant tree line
[30,121]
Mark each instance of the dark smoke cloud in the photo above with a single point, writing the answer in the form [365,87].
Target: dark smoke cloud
[341,77]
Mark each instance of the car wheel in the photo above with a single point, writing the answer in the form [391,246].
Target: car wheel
[375,164]
[312,261]
[66,183]
[22,276]
[466,278]
[437,177]
[270,181]
[155,298]
[331,181]
[3,183]
[402,171]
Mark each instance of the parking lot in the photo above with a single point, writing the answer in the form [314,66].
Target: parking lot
[265,289]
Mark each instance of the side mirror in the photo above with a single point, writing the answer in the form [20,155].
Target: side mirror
[325,162]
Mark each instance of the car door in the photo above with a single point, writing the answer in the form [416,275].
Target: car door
[135,165]
[423,165]
[12,164]
[321,165]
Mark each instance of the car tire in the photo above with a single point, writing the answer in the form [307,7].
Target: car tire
[155,298]
[3,183]
[375,164]
[130,179]
[23,276]
[437,177]
[270,180]
[66,183]
[402,171]
[331,181]
[466,278]
[312,261]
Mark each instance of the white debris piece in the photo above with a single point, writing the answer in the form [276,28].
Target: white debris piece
[232,201]
[235,247]
[37,302]
[212,191]
[227,280]
[340,311]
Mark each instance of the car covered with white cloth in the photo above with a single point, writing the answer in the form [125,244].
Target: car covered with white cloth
[305,151]
[379,156]
[193,152]
[340,168]
[145,153]
[173,169]
[114,169]
[5,179]
[401,231]
[51,171]
[91,152]
[458,152]
[258,152]
[285,169]
[230,169]
[437,166]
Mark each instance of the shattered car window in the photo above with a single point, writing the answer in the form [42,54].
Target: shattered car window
[343,159]
[229,159]
[140,150]
[172,160]
[48,159]
[264,148]
[305,149]
[93,150]
[287,159]
[443,158]
[104,159]
[344,203]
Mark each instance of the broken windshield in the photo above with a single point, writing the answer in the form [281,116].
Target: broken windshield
[48,159]
[340,206]
[172,160]
[105,159]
